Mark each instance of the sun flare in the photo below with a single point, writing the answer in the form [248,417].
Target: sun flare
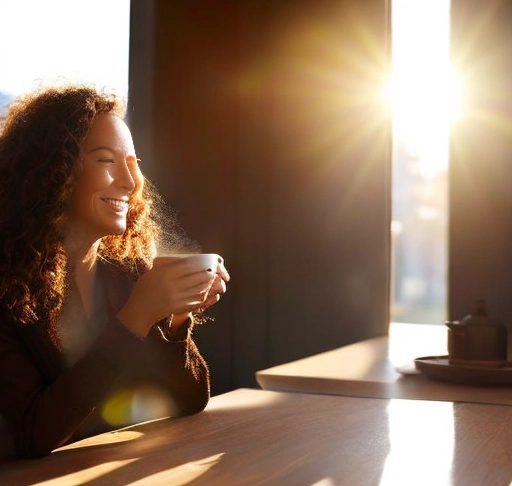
[420,104]
[424,93]
[426,101]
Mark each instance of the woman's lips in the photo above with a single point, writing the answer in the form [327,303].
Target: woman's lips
[117,204]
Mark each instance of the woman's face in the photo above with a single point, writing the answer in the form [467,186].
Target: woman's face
[109,175]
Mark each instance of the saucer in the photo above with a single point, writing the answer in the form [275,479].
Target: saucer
[439,368]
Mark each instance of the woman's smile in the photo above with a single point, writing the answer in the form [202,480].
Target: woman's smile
[118,205]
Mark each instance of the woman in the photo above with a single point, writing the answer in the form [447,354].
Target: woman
[92,335]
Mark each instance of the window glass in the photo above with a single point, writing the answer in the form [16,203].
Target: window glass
[424,104]
[55,41]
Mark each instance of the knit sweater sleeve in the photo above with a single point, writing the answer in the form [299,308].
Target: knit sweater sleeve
[43,414]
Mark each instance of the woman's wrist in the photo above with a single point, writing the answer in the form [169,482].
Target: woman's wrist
[178,326]
[178,320]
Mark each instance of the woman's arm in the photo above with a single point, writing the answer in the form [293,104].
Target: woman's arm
[43,416]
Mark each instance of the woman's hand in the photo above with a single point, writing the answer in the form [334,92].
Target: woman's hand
[172,286]
[217,289]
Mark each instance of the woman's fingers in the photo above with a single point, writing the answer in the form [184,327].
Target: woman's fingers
[222,271]
[218,286]
[199,296]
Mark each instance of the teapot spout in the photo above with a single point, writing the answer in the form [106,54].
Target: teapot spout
[452,324]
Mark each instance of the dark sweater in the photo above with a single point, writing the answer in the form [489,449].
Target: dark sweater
[47,404]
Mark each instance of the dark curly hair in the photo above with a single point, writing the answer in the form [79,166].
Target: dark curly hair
[40,141]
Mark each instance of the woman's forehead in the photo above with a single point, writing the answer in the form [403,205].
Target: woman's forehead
[109,131]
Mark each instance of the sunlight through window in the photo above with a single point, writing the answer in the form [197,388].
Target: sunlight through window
[57,41]
[424,98]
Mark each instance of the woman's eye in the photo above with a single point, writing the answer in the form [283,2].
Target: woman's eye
[106,161]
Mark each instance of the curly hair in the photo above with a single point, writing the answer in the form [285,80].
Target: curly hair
[40,142]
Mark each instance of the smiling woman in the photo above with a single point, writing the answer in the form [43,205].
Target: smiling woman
[86,314]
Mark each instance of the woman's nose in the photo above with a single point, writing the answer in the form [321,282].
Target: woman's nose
[125,178]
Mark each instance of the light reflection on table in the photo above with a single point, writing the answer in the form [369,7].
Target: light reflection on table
[414,441]
[254,437]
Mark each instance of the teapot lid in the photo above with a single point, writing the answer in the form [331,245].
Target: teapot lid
[480,316]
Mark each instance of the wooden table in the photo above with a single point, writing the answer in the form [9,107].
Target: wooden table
[369,369]
[254,437]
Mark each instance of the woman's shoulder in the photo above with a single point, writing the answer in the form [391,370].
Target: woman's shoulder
[131,270]
[117,280]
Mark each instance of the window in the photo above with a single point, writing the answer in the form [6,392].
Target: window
[424,105]
[56,41]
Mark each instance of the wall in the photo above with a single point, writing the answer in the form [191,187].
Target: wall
[261,123]
[481,168]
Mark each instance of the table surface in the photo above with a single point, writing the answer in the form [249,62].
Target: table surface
[256,437]
[369,369]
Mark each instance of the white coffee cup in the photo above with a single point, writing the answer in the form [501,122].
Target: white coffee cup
[195,262]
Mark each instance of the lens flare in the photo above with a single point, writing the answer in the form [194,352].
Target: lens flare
[135,405]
